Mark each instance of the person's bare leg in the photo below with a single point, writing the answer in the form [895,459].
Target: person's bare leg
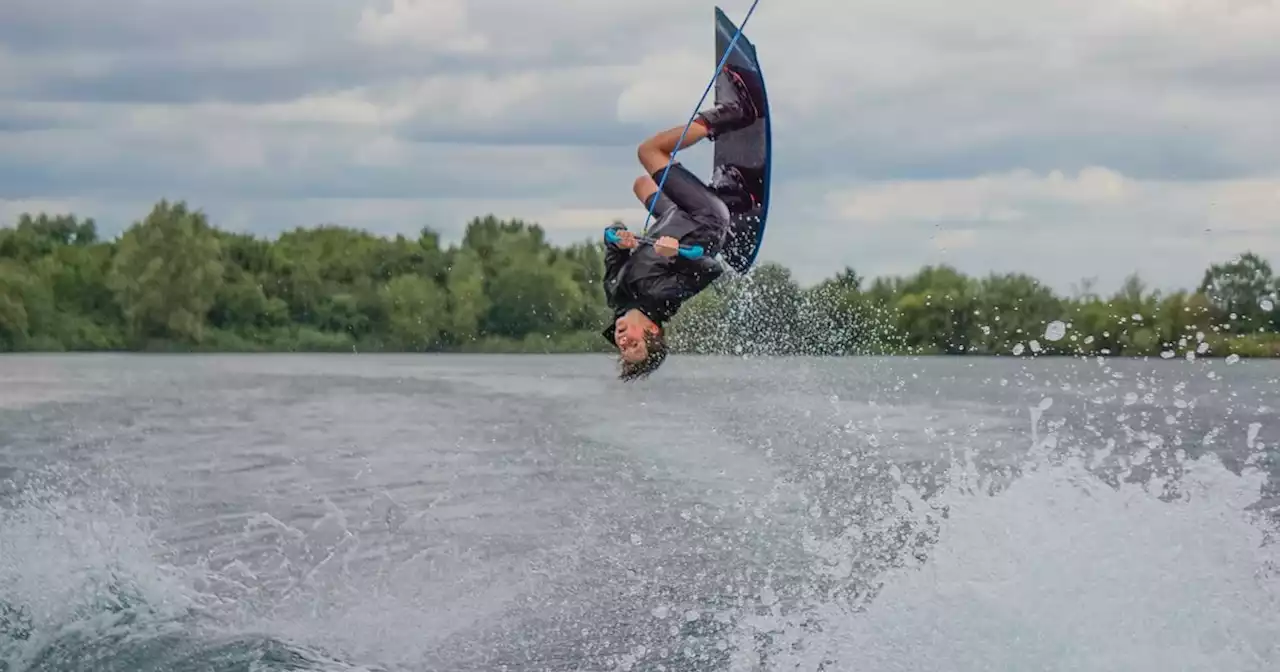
[644,189]
[655,153]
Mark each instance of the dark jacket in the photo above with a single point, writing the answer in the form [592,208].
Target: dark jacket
[658,285]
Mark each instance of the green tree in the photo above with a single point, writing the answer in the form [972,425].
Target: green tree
[936,310]
[174,278]
[528,297]
[468,302]
[15,324]
[167,273]
[417,310]
[1237,289]
[1013,309]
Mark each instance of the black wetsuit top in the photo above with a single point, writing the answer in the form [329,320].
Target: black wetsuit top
[688,211]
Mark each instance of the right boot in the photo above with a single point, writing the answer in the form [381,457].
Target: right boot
[732,115]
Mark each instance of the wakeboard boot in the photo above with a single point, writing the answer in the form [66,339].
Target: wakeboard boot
[730,185]
[731,115]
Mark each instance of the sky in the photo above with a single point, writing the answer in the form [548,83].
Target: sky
[1068,139]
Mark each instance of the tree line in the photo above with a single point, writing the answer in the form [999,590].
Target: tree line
[172,281]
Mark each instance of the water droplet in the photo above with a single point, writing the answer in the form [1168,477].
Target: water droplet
[1167,354]
[1055,331]
[1267,305]
[1233,358]
[1017,349]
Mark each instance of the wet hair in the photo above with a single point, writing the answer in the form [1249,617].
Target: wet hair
[656,353]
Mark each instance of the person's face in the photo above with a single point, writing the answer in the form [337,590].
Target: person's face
[629,335]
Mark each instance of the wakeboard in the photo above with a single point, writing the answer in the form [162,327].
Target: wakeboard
[747,149]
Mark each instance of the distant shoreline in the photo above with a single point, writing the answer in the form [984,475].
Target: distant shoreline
[173,282]
[608,354]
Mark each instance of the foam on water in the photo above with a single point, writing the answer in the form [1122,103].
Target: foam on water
[85,583]
[1058,570]
[68,552]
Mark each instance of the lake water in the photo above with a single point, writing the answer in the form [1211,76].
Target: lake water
[531,513]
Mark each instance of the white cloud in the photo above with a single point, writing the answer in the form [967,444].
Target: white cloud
[1057,226]
[1004,198]
[384,150]
[1020,197]
[429,24]
[1065,138]
[663,88]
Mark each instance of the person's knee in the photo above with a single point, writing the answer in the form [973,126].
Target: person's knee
[644,149]
[644,188]
[651,155]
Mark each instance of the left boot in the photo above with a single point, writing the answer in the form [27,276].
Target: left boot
[730,185]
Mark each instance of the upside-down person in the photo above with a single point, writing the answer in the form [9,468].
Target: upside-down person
[646,284]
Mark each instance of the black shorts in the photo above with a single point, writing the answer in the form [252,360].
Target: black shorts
[685,191]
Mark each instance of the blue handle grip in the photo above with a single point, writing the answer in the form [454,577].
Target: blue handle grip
[686,251]
[691,252]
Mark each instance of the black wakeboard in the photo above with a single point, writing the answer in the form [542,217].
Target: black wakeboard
[747,149]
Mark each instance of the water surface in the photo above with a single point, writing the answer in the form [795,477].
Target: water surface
[531,513]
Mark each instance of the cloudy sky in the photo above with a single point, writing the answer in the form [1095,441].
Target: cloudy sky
[1065,138]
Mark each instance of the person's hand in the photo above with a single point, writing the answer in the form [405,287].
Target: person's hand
[667,246]
[626,240]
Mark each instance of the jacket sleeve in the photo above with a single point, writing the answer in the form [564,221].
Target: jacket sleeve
[614,258]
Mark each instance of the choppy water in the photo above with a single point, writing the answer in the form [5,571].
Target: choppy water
[529,513]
